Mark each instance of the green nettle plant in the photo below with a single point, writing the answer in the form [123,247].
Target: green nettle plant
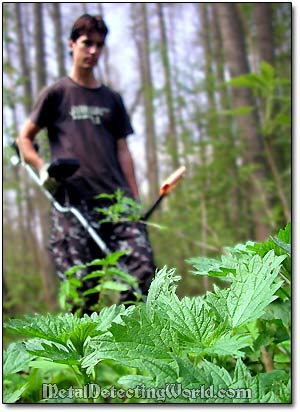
[108,278]
[231,345]
[123,208]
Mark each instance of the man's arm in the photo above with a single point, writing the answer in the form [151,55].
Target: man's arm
[25,143]
[127,166]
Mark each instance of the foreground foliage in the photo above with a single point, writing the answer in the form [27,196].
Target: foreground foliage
[235,338]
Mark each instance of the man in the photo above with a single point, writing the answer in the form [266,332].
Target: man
[88,121]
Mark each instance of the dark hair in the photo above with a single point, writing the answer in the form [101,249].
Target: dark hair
[87,24]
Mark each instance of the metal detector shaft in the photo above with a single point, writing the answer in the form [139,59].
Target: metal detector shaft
[71,209]
[165,189]
[152,208]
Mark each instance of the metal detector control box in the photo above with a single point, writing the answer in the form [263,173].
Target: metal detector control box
[61,169]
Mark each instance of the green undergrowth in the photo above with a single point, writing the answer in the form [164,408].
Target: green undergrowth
[230,345]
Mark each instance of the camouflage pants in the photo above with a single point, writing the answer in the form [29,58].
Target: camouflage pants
[71,245]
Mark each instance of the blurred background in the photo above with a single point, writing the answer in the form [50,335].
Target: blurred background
[207,85]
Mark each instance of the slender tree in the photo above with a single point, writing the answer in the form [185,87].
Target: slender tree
[140,33]
[172,139]
[39,41]
[226,127]
[211,107]
[105,56]
[24,66]
[264,31]
[59,45]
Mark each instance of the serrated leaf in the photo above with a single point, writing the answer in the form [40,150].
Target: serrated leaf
[53,328]
[252,289]
[126,343]
[12,396]
[61,328]
[223,266]
[228,345]
[209,267]
[187,317]
[218,375]
[112,314]
[15,358]
[241,374]
[286,234]
[195,328]
[54,352]
[164,283]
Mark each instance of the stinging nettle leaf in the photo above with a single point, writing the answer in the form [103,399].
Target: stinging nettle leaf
[15,358]
[252,289]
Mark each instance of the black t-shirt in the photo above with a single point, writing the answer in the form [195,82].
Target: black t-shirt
[85,124]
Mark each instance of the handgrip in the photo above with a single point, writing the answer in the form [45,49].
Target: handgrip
[172,181]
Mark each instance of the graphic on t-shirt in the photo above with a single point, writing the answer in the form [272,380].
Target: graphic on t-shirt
[83,112]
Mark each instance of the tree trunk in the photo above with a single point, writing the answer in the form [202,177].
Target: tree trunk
[105,55]
[172,143]
[142,44]
[59,47]
[236,206]
[264,31]
[205,42]
[40,57]
[25,72]
[236,56]
[84,8]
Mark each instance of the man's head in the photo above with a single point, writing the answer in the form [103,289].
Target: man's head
[87,24]
[87,39]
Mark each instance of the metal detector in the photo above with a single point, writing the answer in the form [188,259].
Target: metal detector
[61,169]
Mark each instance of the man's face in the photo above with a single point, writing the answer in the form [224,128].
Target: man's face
[86,50]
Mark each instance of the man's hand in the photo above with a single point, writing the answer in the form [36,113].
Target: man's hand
[48,182]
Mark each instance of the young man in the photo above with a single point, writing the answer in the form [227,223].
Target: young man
[88,121]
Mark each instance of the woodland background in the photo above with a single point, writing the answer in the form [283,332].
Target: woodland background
[207,85]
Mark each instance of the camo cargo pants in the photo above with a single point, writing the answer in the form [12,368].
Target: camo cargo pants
[71,245]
